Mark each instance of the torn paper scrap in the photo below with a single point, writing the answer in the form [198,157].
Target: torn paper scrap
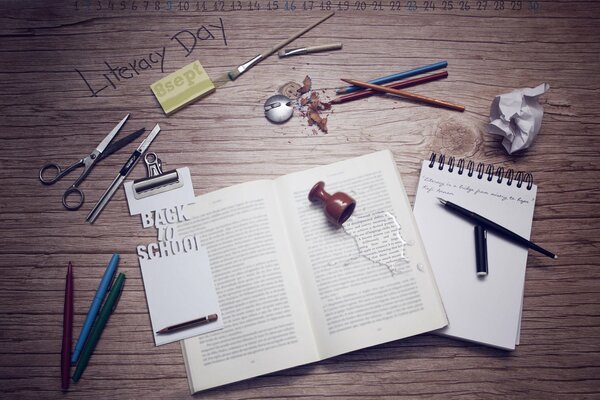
[517,116]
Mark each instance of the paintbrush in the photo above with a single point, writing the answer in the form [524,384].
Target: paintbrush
[235,73]
[308,50]
[408,95]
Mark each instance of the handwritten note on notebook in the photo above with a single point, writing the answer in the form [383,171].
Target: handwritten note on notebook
[484,310]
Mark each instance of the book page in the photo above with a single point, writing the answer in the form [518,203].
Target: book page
[368,282]
[266,327]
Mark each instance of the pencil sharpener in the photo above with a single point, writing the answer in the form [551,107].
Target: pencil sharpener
[278,108]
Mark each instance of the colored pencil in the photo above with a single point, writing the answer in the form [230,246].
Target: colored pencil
[408,95]
[361,94]
[396,77]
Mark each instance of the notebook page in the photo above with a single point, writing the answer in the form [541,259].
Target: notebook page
[485,310]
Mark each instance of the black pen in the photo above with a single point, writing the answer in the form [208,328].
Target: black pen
[481,250]
[500,230]
[189,324]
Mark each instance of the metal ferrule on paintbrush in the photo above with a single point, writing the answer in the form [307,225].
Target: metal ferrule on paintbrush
[233,75]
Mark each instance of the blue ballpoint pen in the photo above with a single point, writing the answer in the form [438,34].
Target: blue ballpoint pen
[95,306]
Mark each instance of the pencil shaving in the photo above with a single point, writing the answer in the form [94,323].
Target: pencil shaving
[310,106]
[306,85]
[307,102]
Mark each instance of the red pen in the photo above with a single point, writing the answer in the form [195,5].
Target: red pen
[65,354]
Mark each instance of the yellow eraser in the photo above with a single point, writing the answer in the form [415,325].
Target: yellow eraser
[182,87]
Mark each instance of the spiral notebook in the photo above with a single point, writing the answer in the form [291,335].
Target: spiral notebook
[485,310]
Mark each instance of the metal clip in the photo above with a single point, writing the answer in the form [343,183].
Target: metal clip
[153,164]
[157,180]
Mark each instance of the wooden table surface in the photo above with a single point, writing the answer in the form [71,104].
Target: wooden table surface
[52,112]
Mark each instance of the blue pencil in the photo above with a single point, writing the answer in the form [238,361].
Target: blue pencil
[397,77]
[95,306]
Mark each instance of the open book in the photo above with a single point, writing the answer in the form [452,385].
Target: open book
[293,288]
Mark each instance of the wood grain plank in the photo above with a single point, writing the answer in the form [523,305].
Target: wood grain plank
[47,113]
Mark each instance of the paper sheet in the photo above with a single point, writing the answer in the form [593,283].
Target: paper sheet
[176,270]
[517,116]
[180,288]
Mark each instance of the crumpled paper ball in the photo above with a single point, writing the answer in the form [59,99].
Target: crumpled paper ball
[517,116]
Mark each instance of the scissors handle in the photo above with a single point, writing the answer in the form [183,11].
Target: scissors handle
[58,175]
[73,198]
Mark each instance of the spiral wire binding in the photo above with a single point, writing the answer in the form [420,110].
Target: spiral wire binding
[451,164]
[482,169]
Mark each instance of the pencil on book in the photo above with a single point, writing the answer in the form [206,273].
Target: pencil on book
[361,94]
[408,95]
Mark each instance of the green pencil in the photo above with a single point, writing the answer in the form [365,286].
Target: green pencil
[107,309]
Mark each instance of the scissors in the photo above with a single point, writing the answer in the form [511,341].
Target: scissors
[73,197]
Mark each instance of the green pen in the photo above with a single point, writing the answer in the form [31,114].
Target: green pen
[107,309]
